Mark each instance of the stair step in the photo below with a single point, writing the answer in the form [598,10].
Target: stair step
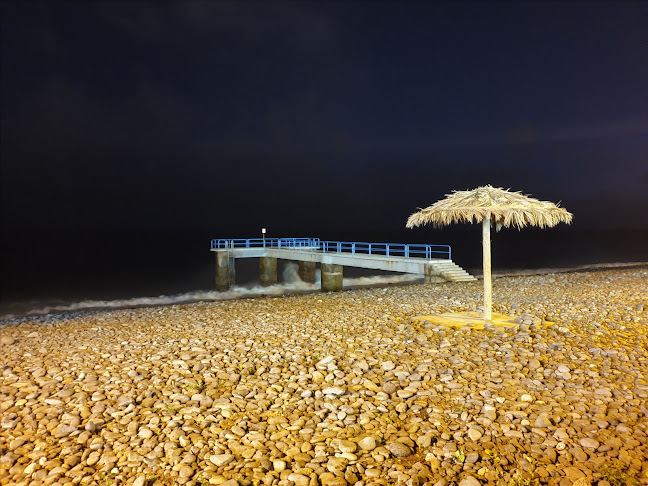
[452,272]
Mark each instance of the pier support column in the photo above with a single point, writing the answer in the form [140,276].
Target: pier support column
[331,277]
[307,271]
[222,271]
[267,271]
[432,275]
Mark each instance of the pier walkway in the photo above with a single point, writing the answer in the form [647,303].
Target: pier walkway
[432,261]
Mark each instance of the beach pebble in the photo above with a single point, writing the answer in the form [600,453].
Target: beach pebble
[299,479]
[390,387]
[221,459]
[534,364]
[368,443]
[388,365]
[398,449]
[470,481]
[333,388]
[475,434]
[7,340]
[589,443]
[63,430]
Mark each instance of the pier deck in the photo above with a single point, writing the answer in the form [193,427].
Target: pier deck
[431,261]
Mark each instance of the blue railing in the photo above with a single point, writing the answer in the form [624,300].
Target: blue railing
[388,249]
[352,247]
[310,243]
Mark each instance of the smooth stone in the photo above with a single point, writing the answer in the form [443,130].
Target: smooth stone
[347,446]
[490,412]
[398,449]
[590,443]
[221,459]
[388,365]
[542,422]
[573,473]
[186,471]
[472,457]
[63,431]
[390,387]
[475,434]
[337,464]
[323,363]
[333,390]
[405,393]
[7,340]
[299,479]
[470,481]
[368,443]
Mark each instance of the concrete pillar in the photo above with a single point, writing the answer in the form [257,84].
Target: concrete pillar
[432,275]
[331,277]
[222,271]
[307,271]
[267,271]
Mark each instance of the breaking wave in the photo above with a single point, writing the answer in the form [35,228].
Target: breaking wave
[291,284]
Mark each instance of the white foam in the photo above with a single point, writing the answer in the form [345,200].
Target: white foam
[291,283]
[545,271]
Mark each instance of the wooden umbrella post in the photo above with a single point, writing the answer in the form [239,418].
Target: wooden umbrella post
[488,291]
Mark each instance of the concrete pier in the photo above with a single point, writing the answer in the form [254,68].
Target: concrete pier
[334,256]
[432,275]
[222,271]
[307,271]
[267,271]
[331,277]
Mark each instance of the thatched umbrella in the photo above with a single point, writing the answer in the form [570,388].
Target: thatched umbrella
[490,205]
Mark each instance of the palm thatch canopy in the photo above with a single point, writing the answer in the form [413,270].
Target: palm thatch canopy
[505,208]
[490,205]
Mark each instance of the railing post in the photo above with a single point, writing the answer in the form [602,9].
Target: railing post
[353,248]
[406,251]
[449,252]
[387,249]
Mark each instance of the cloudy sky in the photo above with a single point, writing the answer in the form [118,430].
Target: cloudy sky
[234,115]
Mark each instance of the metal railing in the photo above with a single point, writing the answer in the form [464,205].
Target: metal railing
[388,249]
[300,243]
[352,247]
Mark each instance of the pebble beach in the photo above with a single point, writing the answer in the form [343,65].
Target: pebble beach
[337,389]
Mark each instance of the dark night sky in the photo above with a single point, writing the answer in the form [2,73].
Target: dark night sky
[226,117]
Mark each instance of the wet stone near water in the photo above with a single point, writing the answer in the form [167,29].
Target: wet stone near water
[335,389]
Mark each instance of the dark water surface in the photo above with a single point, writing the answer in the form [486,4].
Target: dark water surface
[61,268]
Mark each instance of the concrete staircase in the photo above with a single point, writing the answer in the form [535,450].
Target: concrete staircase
[452,272]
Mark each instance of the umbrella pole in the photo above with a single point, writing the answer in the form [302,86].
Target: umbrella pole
[488,299]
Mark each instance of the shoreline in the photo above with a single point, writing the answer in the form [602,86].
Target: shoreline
[338,388]
[290,288]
